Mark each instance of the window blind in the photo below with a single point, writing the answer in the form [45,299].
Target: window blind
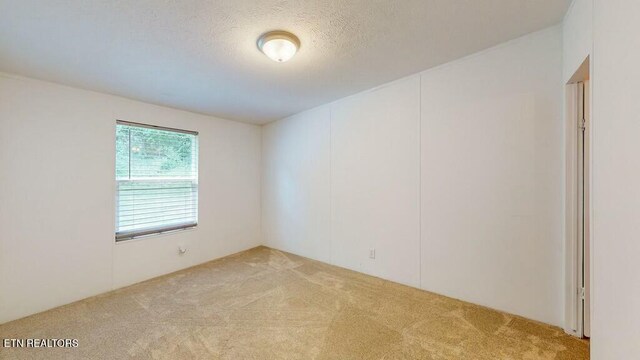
[156,179]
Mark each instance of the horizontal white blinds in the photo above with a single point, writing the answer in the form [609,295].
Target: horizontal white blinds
[157,180]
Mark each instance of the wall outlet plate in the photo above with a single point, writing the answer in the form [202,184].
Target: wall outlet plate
[372,253]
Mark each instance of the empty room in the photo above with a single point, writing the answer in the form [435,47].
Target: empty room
[320,179]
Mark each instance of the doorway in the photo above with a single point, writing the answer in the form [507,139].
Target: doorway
[578,209]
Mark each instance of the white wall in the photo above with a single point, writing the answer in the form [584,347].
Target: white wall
[375,182]
[454,175]
[57,191]
[492,178]
[296,184]
[341,179]
[615,322]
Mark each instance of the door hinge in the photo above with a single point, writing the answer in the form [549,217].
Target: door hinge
[581,293]
[582,124]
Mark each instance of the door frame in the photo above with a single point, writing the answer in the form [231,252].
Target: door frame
[578,209]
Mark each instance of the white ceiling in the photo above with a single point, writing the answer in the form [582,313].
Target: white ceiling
[201,55]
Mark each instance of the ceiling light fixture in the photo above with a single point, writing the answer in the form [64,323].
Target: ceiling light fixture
[279,45]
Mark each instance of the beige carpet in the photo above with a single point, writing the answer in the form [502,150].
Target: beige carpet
[266,304]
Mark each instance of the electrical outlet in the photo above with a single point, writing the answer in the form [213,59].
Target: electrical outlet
[372,253]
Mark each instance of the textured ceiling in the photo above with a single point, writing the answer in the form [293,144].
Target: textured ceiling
[201,55]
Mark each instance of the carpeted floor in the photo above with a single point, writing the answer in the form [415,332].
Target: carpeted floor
[266,304]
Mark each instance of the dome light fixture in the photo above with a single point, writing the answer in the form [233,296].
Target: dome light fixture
[279,45]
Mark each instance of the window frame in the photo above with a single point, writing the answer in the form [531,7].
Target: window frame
[135,234]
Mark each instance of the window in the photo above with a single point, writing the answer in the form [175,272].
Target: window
[156,179]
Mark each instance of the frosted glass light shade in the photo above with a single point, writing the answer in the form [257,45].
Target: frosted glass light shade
[279,46]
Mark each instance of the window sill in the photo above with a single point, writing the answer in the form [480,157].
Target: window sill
[155,234]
